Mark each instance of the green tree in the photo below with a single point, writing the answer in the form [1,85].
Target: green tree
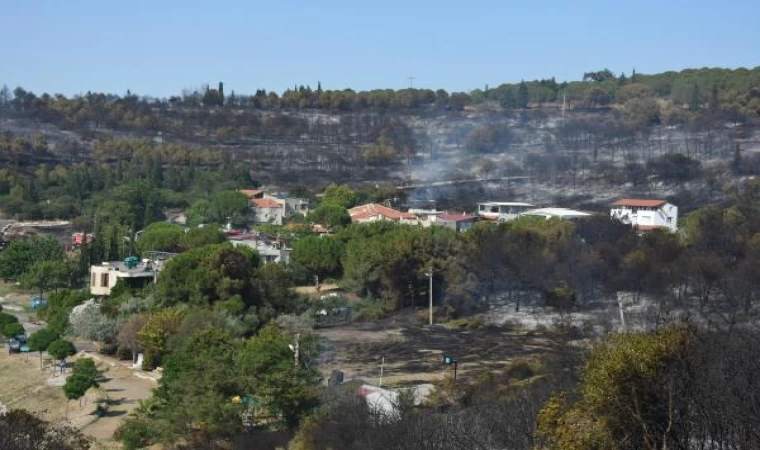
[227,205]
[6,319]
[12,330]
[60,349]
[46,275]
[21,255]
[198,237]
[318,256]
[523,96]
[207,274]
[340,195]
[288,389]
[40,340]
[162,237]
[626,399]
[330,215]
[153,335]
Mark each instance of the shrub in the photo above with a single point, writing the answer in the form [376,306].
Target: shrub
[6,318]
[13,329]
[41,339]
[521,369]
[370,310]
[60,349]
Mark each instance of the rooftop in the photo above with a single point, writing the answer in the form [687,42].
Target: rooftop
[265,203]
[373,209]
[556,212]
[457,217]
[252,192]
[505,204]
[639,203]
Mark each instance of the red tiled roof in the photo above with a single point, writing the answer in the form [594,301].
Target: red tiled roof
[316,228]
[650,227]
[373,209]
[251,192]
[457,217]
[265,203]
[639,203]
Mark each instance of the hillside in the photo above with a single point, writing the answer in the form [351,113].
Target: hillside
[678,134]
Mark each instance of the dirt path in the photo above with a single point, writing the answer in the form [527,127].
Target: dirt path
[125,389]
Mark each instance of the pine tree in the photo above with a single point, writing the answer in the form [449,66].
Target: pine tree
[522,95]
[695,101]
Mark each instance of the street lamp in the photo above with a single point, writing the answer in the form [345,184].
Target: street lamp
[429,274]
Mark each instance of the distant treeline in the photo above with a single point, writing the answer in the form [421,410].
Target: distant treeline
[737,89]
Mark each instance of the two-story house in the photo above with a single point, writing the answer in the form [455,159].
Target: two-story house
[645,214]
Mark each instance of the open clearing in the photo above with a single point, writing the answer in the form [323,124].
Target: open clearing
[413,353]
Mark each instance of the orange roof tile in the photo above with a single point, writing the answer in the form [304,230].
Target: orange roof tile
[373,209]
[650,227]
[251,192]
[639,203]
[265,203]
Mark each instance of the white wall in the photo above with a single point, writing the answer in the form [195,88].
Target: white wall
[664,216]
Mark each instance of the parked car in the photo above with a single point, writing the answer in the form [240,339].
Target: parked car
[14,346]
[21,338]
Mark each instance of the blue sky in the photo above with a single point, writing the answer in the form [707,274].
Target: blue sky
[160,47]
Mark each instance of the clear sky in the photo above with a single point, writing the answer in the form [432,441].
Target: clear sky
[159,47]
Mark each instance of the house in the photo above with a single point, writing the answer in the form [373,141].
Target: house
[274,208]
[136,273]
[269,251]
[502,211]
[645,214]
[266,210]
[560,213]
[457,222]
[372,212]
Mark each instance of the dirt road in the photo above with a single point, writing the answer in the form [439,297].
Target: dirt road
[124,389]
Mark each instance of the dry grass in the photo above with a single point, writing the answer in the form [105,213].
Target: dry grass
[24,385]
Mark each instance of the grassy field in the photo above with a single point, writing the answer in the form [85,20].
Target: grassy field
[24,385]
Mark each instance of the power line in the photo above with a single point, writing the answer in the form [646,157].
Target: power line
[411,81]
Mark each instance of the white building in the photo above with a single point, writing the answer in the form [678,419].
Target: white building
[268,251]
[560,213]
[266,210]
[646,214]
[105,276]
[503,211]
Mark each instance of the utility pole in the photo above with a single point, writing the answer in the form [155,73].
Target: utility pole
[429,274]
[297,349]
[382,366]
[411,81]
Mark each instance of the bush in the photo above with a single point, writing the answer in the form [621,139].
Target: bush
[60,349]
[6,318]
[13,329]
[370,310]
[521,369]
[135,433]
[41,339]
[471,323]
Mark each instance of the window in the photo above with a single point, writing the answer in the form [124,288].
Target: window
[94,280]
[104,280]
